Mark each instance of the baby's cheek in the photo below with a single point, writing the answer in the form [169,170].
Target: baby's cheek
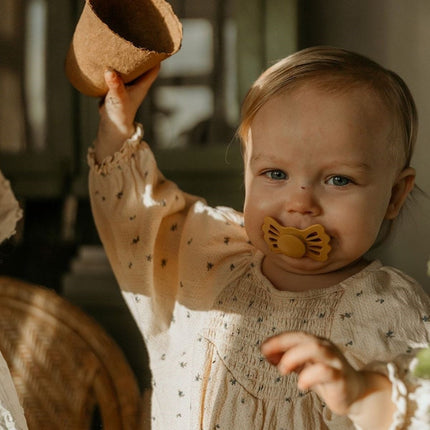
[360,238]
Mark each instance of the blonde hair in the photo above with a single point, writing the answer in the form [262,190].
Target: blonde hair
[337,70]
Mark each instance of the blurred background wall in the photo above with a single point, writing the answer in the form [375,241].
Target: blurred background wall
[190,118]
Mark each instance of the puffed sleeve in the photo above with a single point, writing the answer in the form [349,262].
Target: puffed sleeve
[159,239]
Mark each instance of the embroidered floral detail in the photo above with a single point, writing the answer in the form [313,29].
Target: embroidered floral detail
[345,315]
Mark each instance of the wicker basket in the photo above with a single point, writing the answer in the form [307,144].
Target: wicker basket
[64,365]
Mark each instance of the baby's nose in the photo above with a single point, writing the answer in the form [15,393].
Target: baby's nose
[303,200]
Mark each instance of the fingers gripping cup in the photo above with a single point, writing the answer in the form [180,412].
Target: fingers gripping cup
[128,36]
[312,242]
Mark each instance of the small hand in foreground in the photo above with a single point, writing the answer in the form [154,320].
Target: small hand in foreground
[362,395]
[118,110]
[320,365]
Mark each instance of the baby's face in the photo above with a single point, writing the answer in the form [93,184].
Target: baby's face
[320,158]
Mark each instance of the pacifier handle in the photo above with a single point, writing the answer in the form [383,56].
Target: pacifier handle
[312,242]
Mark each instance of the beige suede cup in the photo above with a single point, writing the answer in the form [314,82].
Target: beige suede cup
[128,36]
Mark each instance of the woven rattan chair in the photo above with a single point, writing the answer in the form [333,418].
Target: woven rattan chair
[66,369]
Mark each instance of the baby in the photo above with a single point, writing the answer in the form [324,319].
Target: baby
[221,296]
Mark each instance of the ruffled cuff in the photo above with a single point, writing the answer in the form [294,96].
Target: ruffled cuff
[411,396]
[418,400]
[399,397]
[127,151]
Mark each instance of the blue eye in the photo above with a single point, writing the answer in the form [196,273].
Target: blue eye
[339,181]
[276,175]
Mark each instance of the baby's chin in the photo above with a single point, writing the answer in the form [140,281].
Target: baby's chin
[304,274]
[309,266]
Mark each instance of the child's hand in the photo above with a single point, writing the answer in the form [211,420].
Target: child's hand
[118,110]
[320,365]
[364,396]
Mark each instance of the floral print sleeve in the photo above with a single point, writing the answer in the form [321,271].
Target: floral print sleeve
[157,237]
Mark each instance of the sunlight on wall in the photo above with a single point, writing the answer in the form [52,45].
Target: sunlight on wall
[184,109]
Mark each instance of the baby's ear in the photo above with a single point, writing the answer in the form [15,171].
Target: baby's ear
[402,187]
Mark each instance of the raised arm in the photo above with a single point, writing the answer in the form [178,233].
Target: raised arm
[118,110]
[157,237]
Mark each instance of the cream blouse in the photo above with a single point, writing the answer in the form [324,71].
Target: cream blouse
[194,285]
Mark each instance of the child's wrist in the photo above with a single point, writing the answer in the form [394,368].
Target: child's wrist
[107,143]
[373,408]
[124,133]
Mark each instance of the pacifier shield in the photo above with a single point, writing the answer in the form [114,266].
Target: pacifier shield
[312,242]
[291,245]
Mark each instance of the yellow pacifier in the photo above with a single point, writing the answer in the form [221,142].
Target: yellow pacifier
[312,242]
